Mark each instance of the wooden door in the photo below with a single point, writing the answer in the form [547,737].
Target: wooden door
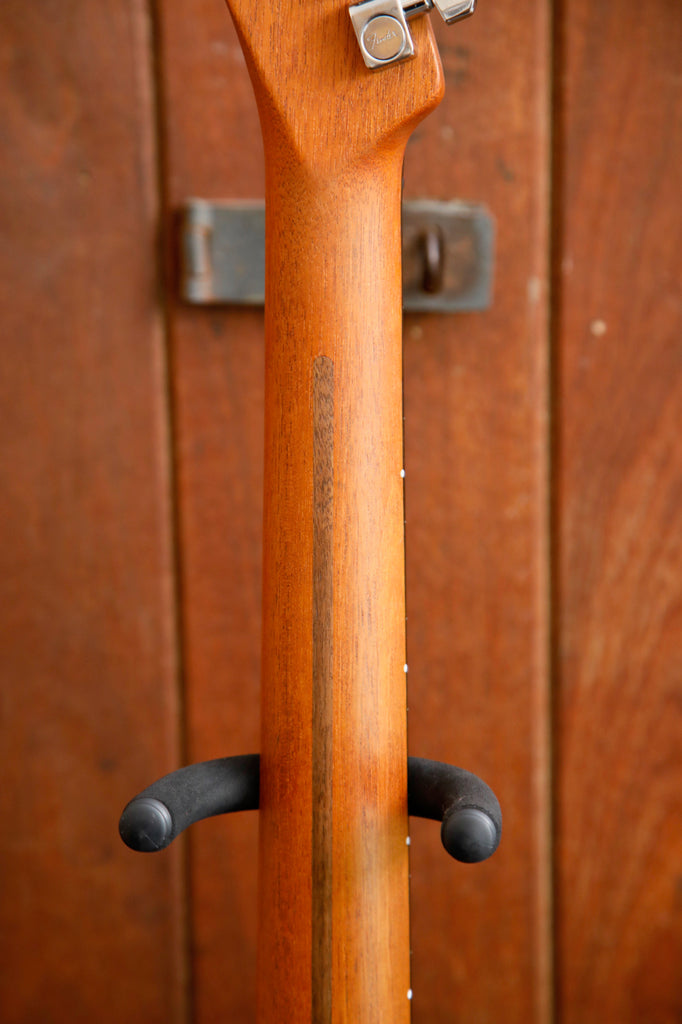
[543,488]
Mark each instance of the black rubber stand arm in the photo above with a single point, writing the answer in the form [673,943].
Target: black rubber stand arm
[472,821]
[470,811]
[158,814]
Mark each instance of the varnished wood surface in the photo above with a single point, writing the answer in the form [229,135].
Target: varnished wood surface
[94,929]
[213,148]
[333,158]
[370,965]
[458,150]
[89,690]
[476,502]
[618,502]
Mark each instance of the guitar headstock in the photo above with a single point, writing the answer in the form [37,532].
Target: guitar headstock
[314,90]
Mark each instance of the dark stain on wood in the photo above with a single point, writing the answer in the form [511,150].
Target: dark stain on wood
[323,669]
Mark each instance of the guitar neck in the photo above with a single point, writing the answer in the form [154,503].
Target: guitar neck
[333,827]
[333,878]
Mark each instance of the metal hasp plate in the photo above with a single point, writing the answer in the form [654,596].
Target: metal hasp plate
[447,255]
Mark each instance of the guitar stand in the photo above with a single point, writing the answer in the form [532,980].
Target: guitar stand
[468,809]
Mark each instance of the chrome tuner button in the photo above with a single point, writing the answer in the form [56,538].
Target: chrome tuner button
[455,10]
[382,32]
[381,26]
[383,38]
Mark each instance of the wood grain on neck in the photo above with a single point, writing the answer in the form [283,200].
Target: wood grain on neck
[333,790]
[333,897]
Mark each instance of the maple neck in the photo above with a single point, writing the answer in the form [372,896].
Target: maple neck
[333,870]
[333,824]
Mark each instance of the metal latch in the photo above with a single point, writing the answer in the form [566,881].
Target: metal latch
[447,254]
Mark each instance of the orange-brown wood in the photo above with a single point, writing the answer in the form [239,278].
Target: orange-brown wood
[476,458]
[87,623]
[313,312]
[87,610]
[618,501]
[213,148]
[333,675]
[480,934]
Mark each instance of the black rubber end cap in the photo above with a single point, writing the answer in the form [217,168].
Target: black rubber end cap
[146,825]
[469,835]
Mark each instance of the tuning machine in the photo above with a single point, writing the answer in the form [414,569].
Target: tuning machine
[382,30]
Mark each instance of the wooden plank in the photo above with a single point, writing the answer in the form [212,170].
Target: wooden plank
[619,480]
[88,930]
[213,150]
[476,492]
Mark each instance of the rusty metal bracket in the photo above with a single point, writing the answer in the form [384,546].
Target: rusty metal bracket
[448,254]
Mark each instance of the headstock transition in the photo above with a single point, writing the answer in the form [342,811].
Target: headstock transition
[316,96]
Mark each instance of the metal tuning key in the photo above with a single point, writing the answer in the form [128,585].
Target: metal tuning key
[382,30]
